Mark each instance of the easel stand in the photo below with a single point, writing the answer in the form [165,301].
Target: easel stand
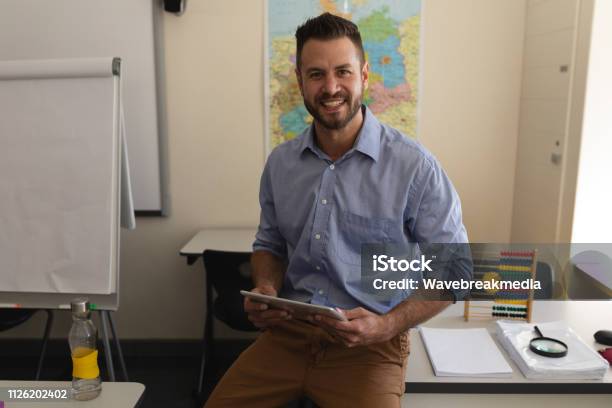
[105,318]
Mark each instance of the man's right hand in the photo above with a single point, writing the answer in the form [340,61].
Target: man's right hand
[260,314]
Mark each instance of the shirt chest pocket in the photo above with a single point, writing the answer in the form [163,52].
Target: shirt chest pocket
[355,230]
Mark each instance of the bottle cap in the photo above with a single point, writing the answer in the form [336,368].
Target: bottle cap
[80,307]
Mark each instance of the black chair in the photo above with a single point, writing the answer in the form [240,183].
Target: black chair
[10,318]
[227,273]
[545,274]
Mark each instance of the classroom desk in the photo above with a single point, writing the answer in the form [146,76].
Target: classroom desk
[220,239]
[584,317]
[114,394]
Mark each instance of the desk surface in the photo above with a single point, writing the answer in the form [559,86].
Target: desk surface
[220,239]
[585,317]
[114,394]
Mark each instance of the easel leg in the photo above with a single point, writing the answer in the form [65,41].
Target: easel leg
[43,349]
[107,350]
[111,320]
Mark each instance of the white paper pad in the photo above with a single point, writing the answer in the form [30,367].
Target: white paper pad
[580,363]
[464,353]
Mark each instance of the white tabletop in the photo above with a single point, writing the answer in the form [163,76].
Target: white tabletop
[584,317]
[114,394]
[220,239]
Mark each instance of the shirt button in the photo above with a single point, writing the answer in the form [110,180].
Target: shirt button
[321,291]
[318,268]
[318,236]
[332,167]
[323,201]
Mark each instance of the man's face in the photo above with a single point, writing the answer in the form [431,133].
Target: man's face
[332,81]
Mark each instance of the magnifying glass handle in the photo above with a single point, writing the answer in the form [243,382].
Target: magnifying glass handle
[538,331]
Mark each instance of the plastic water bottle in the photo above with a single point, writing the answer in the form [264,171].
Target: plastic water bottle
[86,382]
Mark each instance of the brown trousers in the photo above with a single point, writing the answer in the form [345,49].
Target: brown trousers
[298,358]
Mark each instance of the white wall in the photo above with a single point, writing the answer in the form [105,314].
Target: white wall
[592,221]
[470,102]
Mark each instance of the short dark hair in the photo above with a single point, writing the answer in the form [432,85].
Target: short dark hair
[328,27]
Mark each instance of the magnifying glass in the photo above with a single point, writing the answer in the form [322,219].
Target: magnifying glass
[547,347]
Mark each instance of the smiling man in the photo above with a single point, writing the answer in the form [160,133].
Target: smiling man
[346,180]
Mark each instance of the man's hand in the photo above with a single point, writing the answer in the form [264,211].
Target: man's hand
[260,314]
[363,327]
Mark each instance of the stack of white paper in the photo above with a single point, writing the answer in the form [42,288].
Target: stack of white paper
[580,363]
[464,353]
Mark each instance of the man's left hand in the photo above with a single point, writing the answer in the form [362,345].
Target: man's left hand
[362,328]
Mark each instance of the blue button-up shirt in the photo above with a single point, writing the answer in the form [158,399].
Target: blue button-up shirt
[316,213]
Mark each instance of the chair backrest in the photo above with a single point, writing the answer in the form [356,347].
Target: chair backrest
[228,273]
[544,274]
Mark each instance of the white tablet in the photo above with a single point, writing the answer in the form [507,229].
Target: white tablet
[297,309]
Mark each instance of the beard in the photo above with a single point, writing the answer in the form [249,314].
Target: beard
[336,122]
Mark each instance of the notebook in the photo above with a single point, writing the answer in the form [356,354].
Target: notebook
[464,353]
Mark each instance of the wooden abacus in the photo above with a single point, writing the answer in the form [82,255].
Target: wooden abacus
[506,304]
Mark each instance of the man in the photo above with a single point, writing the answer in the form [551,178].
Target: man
[347,180]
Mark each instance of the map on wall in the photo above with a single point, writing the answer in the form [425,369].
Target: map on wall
[390,31]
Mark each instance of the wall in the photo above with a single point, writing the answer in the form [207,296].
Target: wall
[470,102]
[593,196]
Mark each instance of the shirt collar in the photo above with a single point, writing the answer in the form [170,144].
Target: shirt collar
[368,138]
[308,140]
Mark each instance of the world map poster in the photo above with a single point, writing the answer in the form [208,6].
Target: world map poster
[390,31]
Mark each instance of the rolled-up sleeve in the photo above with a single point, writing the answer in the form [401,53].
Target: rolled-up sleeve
[433,213]
[268,237]
[434,216]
